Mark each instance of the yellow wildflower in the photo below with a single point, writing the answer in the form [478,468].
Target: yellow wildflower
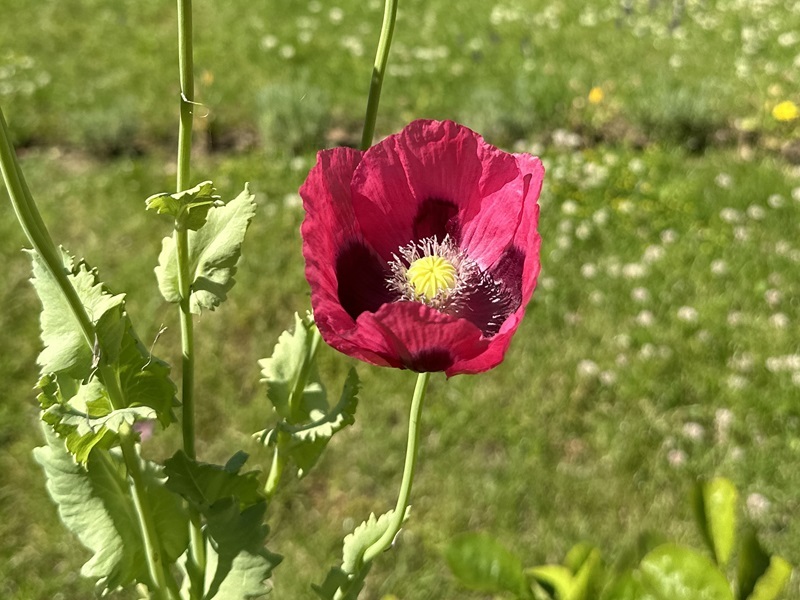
[596,95]
[785,111]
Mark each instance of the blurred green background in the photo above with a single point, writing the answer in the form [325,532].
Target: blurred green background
[662,343]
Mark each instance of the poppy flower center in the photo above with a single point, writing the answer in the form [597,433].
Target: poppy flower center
[432,272]
[430,275]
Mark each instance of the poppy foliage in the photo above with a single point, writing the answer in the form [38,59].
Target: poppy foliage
[422,251]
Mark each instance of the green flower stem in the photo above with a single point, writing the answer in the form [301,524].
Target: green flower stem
[378,71]
[186,68]
[412,446]
[37,234]
[165,586]
[295,400]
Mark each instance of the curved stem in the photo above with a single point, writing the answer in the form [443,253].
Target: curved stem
[378,71]
[412,445]
[37,234]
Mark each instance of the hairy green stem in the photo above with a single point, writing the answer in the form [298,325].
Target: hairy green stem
[378,71]
[412,446]
[37,234]
[186,70]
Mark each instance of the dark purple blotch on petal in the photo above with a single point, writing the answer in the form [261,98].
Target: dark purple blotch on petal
[437,218]
[431,360]
[361,277]
[508,271]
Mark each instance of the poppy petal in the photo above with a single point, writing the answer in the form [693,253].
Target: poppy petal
[434,176]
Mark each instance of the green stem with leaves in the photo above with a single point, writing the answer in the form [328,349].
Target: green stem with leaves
[279,453]
[33,225]
[181,235]
[412,446]
[378,71]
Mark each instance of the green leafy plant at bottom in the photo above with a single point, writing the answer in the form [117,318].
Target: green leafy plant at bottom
[666,571]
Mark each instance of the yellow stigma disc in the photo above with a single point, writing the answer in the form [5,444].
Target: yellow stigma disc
[431,274]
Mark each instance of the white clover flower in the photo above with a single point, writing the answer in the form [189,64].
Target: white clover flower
[587,368]
[569,207]
[676,458]
[730,215]
[292,200]
[597,297]
[776,201]
[653,253]
[305,36]
[623,340]
[335,14]
[640,294]
[741,234]
[772,297]
[687,314]
[779,321]
[287,51]
[757,505]
[621,360]
[719,267]
[796,194]
[268,42]
[743,362]
[693,431]
[756,212]
[645,318]
[669,236]
[647,351]
[547,283]
[636,165]
[633,271]
[600,217]
[625,206]
[565,226]
[735,318]
[589,270]
[723,420]
[796,378]
[564,242]
[583,231]
[314,6]
[724,181]
[736,382]
[608,378]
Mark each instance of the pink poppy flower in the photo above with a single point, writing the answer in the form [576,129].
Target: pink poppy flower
[422,252]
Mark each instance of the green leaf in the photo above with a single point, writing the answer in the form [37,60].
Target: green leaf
[625,587]
[65,348]
[86,418]
[95,503]
[287,366]
[237,562]
[347,581]
[586,581]
[672,572]
[192,205]
[307,442]
[481,563]
[715,509]
[204,484]
[760,576]
[214,250]
[557,578]
[770,585]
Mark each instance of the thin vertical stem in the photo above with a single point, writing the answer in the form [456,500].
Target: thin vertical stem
[378,71]
[412,446]
[186,69]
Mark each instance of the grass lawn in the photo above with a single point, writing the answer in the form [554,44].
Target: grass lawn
[662,342]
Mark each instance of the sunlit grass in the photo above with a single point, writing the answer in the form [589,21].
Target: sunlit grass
[661,344]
